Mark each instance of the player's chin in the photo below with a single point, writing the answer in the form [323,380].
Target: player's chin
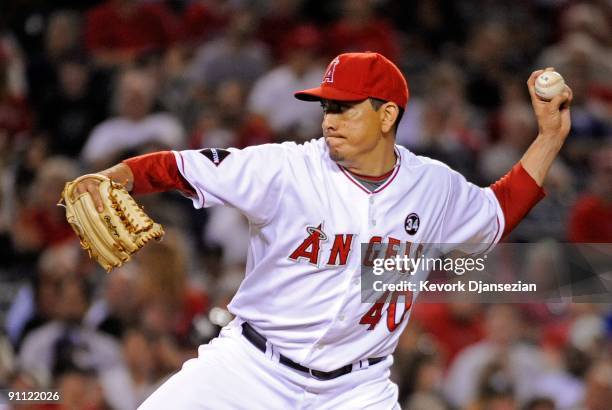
[334,148]
[336,156]
[335,153]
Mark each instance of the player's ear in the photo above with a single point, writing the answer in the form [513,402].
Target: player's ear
[388,114]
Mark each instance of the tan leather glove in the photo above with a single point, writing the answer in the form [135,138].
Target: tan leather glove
[113,235]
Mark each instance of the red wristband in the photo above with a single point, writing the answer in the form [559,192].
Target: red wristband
[517,192]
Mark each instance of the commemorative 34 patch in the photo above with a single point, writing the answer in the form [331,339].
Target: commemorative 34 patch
[411,224]
[215,155]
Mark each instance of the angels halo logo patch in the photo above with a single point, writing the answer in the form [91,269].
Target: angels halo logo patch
[411,224]
[216,155]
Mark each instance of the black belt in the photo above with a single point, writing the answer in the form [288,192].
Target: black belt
[259,342]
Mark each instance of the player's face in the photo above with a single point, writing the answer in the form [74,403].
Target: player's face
[351,129]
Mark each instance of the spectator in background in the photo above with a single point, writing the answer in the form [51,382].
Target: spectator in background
[522,364]
[62,37]
[579,333]
[72,109]
[176,92]
[81,389]
[279,18]
[35,302]
[586,123]
[517,126]
[13,61]
[450,129]
[272,97]
[7,361]
[485,59]
[202,20]
[585,40]
[210,131]
[541,264]
[136,128]
[423,382]
[589,127]
[116,309]
[359,29]
[598,394]
[21,380]
[601,105]
[432,27]
[495,388]
[591,217]
[168,301]
[138,354]
[119,31]
[236,56]
[225,122]
[453,325]
[39,222]
[563,378]
[16,180]
[15,114]
[65,344]
[230,102]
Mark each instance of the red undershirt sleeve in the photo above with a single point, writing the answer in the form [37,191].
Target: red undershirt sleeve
[517,192]
[157,172]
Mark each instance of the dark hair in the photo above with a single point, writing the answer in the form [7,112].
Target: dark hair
[377,103]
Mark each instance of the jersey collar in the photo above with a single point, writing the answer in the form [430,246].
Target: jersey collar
[398,162]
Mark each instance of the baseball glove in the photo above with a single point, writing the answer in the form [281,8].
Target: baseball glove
[120,230]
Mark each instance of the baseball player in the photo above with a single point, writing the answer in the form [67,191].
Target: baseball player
[301,337]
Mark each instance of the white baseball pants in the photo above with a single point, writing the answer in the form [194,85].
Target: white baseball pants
[231,373]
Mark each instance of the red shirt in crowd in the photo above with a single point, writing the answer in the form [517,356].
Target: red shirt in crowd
[452,333]
[375,35]
[131,28]
[200,21]
[591,220]
[15,116]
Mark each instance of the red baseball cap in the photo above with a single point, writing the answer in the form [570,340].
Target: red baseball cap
[357,76]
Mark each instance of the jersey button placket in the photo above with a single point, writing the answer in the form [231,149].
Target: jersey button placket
[371,217]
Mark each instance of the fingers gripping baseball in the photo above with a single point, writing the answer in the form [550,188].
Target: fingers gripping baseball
[553,116]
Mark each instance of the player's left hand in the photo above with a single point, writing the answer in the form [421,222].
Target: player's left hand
[553,116]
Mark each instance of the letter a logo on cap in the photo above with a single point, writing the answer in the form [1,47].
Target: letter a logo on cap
[329,74]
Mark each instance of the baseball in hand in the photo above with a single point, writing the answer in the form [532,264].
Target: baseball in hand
[549,84]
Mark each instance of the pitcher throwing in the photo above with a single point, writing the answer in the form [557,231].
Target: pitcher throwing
[302,338]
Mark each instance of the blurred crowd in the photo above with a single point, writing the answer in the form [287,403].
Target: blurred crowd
[84,84]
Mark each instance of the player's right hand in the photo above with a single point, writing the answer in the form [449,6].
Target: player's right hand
[90,185]
[553,116]
[120,173]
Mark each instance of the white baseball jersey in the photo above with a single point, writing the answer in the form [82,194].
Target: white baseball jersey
[308,217]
